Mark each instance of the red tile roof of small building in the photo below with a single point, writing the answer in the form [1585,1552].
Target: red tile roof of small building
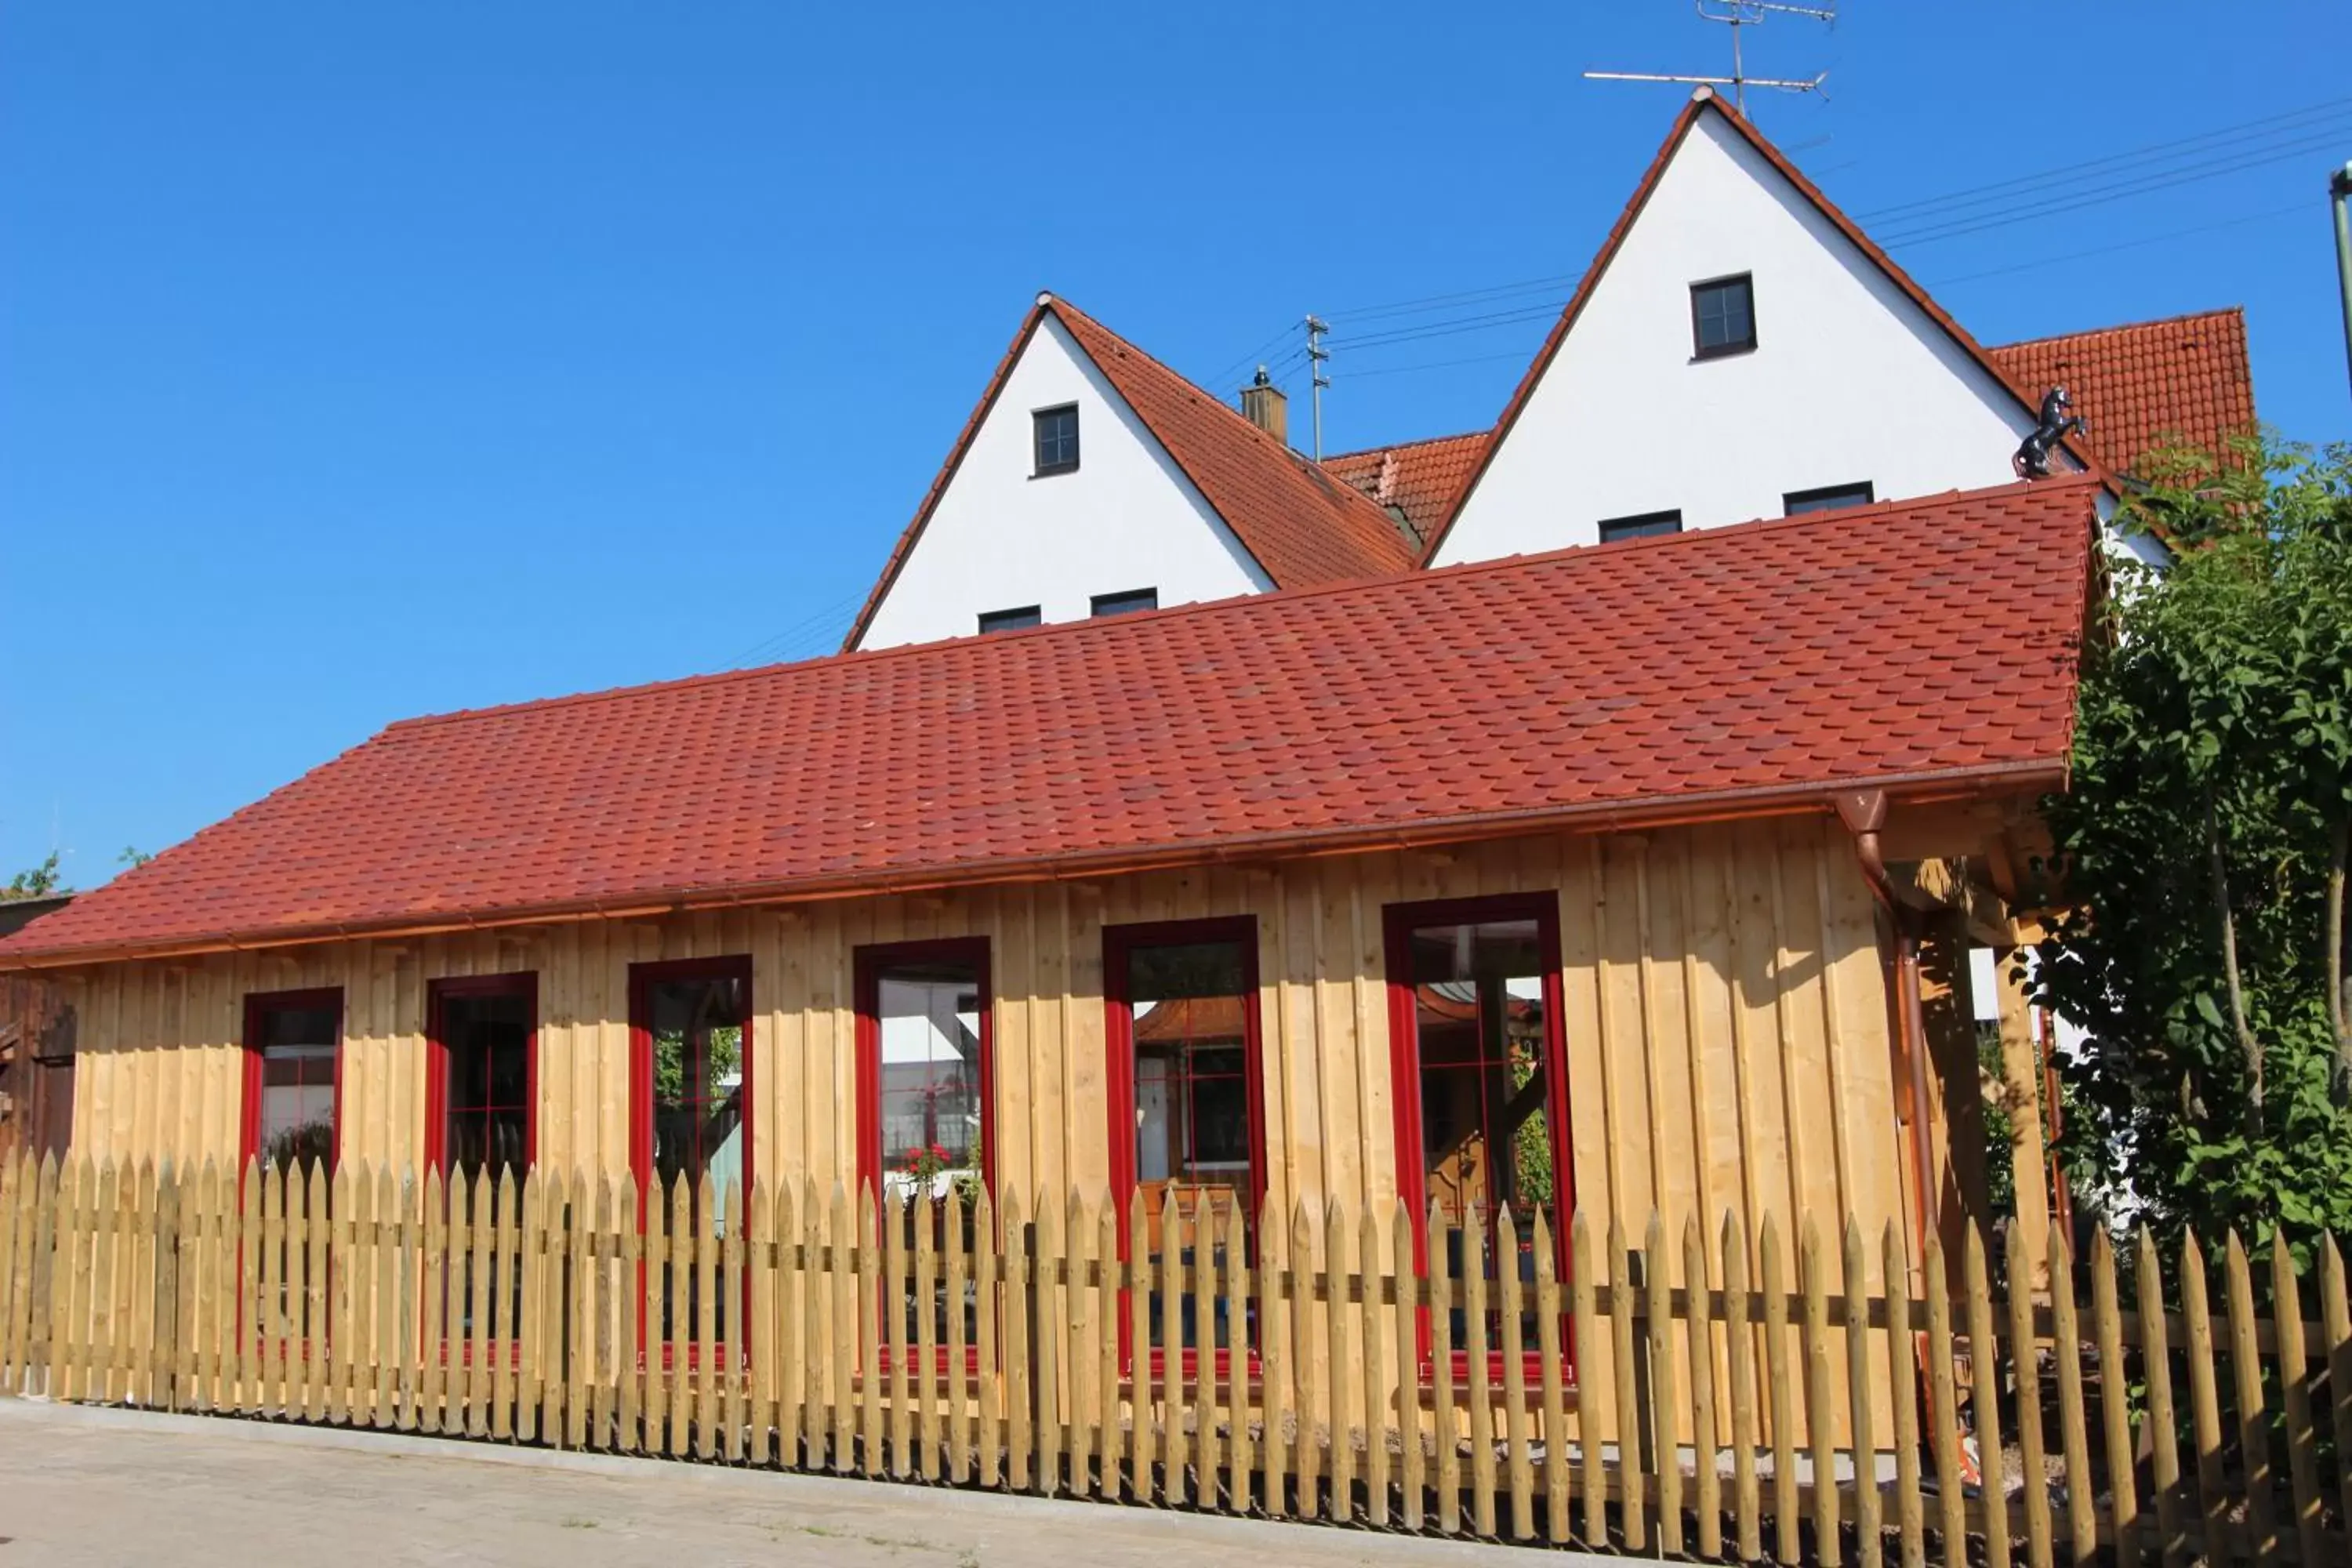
[1297,523]
[1420,478]
[1915,645]
[2148,384]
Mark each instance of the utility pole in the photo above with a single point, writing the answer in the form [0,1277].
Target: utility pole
[1736,15]
[2339,186]
[1317,357]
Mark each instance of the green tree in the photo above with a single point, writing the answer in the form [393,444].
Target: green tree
[38,882]
[2204,844]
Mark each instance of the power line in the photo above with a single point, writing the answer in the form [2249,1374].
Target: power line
[1514,354]
[2122,245]
[1973,195]
[2069,205]
[839,611]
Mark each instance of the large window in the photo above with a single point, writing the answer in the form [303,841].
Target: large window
[1056,430]
[292,1043]
[923,1083]
[480,1075]
[1186,1129]
[1474,1004]
[690,1026]
[1723,316]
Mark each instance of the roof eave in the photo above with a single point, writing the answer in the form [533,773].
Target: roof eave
[2034,776]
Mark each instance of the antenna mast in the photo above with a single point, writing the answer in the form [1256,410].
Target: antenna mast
[1317,357]
[1736,15]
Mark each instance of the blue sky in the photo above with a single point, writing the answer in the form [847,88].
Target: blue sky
[364,360]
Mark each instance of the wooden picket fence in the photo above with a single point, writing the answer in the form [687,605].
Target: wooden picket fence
[1033,1348]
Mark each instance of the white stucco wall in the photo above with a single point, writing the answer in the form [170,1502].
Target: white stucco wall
[1127,519]
[1849,381]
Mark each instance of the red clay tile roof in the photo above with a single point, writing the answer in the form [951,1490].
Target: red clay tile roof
[1420,478]
[1915,644]
[1704,101]
[2148,384]
[1297,524]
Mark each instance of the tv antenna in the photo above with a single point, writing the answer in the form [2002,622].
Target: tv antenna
[1736,15]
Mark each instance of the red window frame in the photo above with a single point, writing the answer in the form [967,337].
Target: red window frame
[257,1002]
[1399,922]
[643,977]
[437,992]
[866,965]
[1119,944]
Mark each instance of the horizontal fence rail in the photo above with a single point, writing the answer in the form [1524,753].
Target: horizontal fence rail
[1722,1397]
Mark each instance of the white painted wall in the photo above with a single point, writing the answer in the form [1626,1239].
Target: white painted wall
[1127,519]
[1849,381]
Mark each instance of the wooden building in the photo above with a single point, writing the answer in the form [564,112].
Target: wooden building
[1598,878]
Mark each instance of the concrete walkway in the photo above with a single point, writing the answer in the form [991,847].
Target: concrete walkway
[80,1486]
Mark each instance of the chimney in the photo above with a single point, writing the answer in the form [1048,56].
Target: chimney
[1264,405]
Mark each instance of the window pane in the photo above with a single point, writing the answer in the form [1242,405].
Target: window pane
[1189,1008]
[697,1026]
[1724,314]
[928,1021]
[1486,1094]
[487,1039]
[298,1086]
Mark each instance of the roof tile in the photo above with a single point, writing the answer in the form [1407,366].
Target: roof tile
[1631,678]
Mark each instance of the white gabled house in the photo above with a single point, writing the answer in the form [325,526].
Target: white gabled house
[1740,349]
[1092,480]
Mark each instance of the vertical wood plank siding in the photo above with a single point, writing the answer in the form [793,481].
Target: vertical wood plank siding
[1725,1025]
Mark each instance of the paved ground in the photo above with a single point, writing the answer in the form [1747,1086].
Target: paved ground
[97,1487]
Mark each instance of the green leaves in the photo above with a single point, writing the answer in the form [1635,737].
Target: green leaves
[2221,683]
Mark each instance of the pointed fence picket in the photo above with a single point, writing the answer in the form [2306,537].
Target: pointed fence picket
[1499,1376]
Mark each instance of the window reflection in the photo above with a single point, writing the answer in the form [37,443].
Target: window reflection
[297,1084]
[927,1017]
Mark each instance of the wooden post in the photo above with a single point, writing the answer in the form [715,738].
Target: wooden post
[1746,1429]
[1984,1399]
[1046,1340]
[1557,1526]
[868,1285]
[1665,1442]
[926,1347]
[1584,1329]
[2302,1447]
[629,1211]
[1520,1461]
[1139,1340]
[897,1292]
[1869,1518]
[2258,1479]
[2335,1320]
[2026,1365]
[1699,1334]
[1237,1356]
[987,1270]
[1944,1409]
[2020,1085]
[1787,1538]
[1820,1413]
[1172,1347]
[2205,1404]
[1018,1320]
[958,1270]
[1903,1388]
[1633,1406]
[793,1348]
[2164,1445]
[2114,1400]
[1341,1273]
[2074,1435]
[1441,1356]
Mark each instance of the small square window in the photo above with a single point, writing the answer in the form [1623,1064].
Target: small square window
[1127,603]
[1723,316]
[1640,527]
[1011,620]
[1829,497]
[1057,439]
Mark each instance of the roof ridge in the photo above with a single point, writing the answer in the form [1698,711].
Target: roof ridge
[1242,421]
[1243,603]
[2238,311]
[1401,446]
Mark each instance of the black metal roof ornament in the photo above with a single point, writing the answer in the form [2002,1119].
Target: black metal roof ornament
[2058,419]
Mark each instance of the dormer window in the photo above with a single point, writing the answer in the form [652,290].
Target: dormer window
[1126,604]
[1723,316]
[1829,497]
[1057,439]
[1018,620]
[1641,526]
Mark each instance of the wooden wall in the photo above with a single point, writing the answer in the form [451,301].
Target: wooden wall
[1727,1023]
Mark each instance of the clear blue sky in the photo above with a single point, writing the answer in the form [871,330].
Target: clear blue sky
[364,360]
